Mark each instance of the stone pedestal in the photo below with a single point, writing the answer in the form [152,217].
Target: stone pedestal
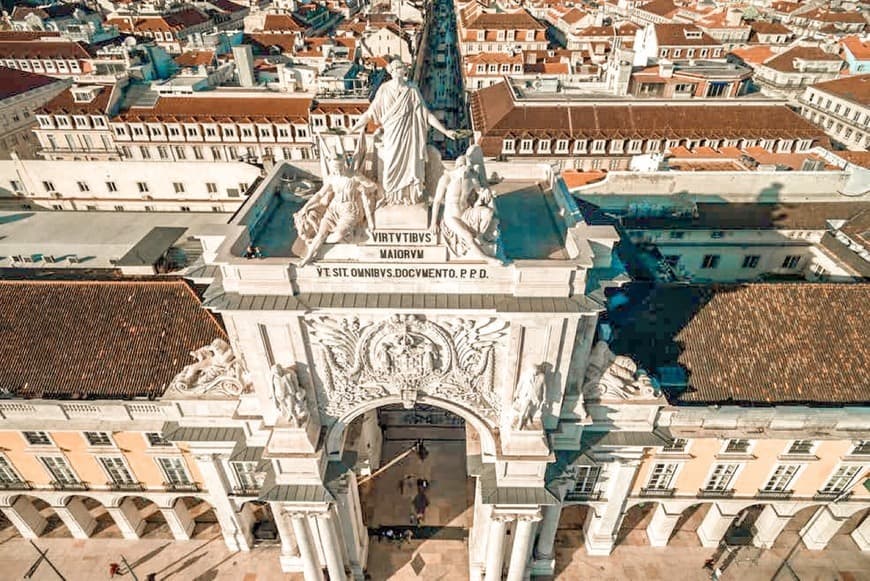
[661,526]
[128,518]
[861,535]
[179,520]
[26,519]
[820,529]
[402,217]
[714,526]
[298,440]
[77,518]
[768,526]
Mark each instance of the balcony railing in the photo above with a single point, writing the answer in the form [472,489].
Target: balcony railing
[127,486]
[716,493]
[590,496]
[246,491]
[181,487]
[775,494]
[16,485]
[57,485]
[831,495]
[657,492]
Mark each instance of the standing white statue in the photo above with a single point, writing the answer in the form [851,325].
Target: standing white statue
[399,109]
[347,196]
[289,396]
[529,397]
[467,220]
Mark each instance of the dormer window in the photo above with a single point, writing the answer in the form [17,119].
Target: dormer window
[84,94]
[530,35]
[44,121]
[692,34]
[62,121]
[481,35]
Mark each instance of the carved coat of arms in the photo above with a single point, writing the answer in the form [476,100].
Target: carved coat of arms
[407,355]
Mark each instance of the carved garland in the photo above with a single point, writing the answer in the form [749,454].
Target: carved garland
[407,355]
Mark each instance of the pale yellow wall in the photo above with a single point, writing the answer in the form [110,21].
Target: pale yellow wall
[754,474]
[132,446]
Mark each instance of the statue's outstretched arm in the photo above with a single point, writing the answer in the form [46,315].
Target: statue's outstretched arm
[361,122]
[436,124]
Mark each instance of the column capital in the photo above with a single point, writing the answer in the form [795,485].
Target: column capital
[530,517]
[502,517]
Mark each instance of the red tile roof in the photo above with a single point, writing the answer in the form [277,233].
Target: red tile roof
[496,115]
[281,23]
[65,104]
[757,343]
[675,35]
[43,49]
[214,109]
[860,49]
[98,339]
[855,89]
[194,58]
[14,82]
[786,62]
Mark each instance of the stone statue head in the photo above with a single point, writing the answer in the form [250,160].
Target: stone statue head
[397,69]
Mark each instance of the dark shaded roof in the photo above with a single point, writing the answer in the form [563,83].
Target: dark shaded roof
[98,339]
[14,82]
[759,343]
[855,89]
[148,251]
[809,215]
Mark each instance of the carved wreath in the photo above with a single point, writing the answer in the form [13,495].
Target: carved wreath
[407,354]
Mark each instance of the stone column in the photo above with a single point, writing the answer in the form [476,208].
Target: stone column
[179,520]
[25,517]
[547,532]
[235,534]
[523,532]
[285,532]
[661,526]
[861,535]
[820,529]
[310,566]
[600,530]
[126,515]
[351,528]
[331,547]
[77,518]
[495,547]
[768,525]
[714,526]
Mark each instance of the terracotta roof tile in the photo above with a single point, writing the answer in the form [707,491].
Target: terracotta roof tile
[194,58]
[786,62]
[762,27]
[281,23]
[675,35]
[855,89]
[756,343]
[41,49]
[277,109]
[860,49]
[64,103]
[14,82]
[98,339]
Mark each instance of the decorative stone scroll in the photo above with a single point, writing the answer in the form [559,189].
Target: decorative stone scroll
[610,377]
[216,371]
[407,355]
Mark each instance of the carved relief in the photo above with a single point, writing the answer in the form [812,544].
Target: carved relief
[289,396]
[529,398]
[216,371]
[609,376]
[405,355]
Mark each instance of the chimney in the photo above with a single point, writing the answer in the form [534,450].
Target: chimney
[244,58]
[733,17]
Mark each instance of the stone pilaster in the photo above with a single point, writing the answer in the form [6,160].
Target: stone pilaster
[769,525]
[714,526]
[24,516]
[179,520]
[601,528]
[544,554]
[821,528]
[861,534]
[128,518]
[661,526]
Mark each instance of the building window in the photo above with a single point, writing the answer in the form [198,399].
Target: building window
[144,152]
[801,447]
[841,480]
[737,446]
[676,445]
[580,146]
[83,186]
[119,208]
[211,187]
[710,261]
[117,470]
[543,146]
[562,146]
[156,439]
[247,476]
[527,146]
[862,448]
[178,187]
[8,475]
[37,438]
[508,146]
[587,477]
[98,438]
[751,261]
[781,478]
[48,186]
[174,470]
[791,261]
[142,187]
[721,477]
[598,146]
[59,469]
[184,208]
[661,476]
[163,152]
